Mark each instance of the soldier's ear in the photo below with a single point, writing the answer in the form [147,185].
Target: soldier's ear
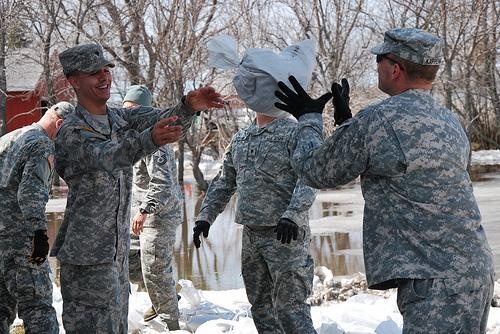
[73,81]
[59,122]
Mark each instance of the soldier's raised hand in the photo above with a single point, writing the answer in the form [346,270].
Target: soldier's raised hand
[203,98]
[164,133]
[298,102]
[340,101]
[201,226]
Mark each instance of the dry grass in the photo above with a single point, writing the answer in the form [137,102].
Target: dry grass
[17,329]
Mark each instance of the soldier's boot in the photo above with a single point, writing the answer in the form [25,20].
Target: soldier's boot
[150,314]
[173,324]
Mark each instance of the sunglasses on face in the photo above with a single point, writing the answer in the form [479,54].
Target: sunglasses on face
[384,56]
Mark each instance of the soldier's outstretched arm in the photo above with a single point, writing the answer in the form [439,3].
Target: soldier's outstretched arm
[200,99]
[338,160]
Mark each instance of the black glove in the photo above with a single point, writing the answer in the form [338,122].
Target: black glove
[299,102]
[285,230]
[40,247]
[340,100]
[200,226]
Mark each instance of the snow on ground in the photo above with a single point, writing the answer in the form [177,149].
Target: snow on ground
[228,312]
[485,157]
[218,312]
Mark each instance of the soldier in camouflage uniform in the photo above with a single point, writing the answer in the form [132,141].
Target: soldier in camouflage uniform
[26,164]
[157,208]
[272,203]
[95,150]
[422,230]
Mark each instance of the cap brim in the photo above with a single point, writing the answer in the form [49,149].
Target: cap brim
[381,49]
[98,66]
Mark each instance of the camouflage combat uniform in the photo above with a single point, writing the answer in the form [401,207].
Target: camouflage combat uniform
[278,277]
[92,245]
[157,191]
[25,175]
[421,224]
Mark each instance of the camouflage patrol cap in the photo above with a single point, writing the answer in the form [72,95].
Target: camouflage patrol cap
[414,45]
[63,109]
[86,58]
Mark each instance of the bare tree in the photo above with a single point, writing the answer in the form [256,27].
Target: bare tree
[42,18]
[10,35]
[468,82]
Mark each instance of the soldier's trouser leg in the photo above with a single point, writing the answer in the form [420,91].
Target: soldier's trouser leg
[91,298]
[8,305]
[278,280]
[124,291]
[157,245]
[451,305]
[30,285]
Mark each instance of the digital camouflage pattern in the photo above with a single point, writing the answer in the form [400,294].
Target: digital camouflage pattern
[257,167]
[156,190]
[95,297]
[26,156]
[86,58]
[434,306]
[414,45]
[421,219]
[96,162]
[26,288]
[25,175]
[278,280]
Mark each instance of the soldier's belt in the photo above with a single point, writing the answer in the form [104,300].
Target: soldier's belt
[260,228]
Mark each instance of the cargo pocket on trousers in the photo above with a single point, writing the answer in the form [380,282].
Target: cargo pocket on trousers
[96,286]
[32,280]
[413,291]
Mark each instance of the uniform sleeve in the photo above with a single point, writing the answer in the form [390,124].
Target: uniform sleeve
[33,191]
[160,193]
[302,199]
[336,161]
[220,190]
[141,118]
[75,145]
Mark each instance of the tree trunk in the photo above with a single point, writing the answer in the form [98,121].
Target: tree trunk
[197,173]
[3,85]
[180,167]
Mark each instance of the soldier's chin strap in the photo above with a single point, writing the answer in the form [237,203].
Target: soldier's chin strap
[40,247]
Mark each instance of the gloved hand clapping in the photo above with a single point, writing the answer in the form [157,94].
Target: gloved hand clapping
[200,226]
[285,230]
[340,100]
[40,247]
[298,102]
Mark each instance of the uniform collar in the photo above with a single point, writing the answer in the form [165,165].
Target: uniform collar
[269,127]
[115,121]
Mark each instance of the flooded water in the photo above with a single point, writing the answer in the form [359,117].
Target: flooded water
[336,220]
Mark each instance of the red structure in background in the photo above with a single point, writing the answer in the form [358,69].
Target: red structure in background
[27,92]
[23,108]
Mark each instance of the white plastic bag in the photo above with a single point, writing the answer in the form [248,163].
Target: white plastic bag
[190,293]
